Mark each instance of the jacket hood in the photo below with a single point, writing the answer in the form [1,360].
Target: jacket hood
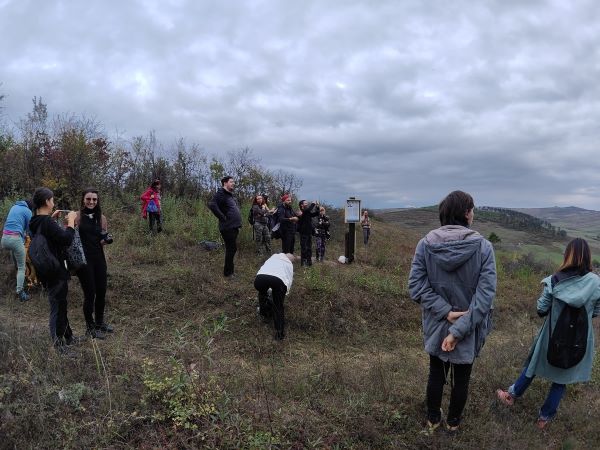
[36,221]
[451,246]
[576,290]
[22,203]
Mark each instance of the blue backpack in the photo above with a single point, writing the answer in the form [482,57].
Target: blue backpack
[152,208]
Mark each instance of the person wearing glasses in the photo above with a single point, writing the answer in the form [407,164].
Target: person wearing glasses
[93,230]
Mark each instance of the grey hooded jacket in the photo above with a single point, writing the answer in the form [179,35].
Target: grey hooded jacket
[454,269]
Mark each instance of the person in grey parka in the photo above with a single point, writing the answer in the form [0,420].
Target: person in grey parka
[576,285]
[453,278]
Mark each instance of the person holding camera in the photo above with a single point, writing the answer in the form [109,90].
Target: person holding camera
[305,229]
[93,228]
[57,285]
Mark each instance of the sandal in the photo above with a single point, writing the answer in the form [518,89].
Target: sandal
[505,397]
[541,423]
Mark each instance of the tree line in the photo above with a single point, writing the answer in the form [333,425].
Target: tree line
[519,221]
[69,152]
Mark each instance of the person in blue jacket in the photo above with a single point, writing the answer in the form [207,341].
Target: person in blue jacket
[576,285]
[13,239]
[453,278]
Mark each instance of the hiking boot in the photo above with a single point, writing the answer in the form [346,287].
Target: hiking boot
[105,327]
[93,333]
[23,296]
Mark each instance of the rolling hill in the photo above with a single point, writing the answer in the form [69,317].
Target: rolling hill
[528,231]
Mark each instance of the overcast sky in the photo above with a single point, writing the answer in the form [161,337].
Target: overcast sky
[396,102]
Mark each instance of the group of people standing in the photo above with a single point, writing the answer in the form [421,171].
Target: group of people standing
[453,279]
[282,222]
[92,228]
[274,278]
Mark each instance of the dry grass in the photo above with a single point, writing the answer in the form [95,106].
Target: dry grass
[350,374]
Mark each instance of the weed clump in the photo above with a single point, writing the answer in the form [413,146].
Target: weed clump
[176,394]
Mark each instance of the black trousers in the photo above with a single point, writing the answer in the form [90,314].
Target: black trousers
[230,238]
[460,374]
[92,278]
[262,283]
[58,322]
[306,249]
[155,217]
[288,239]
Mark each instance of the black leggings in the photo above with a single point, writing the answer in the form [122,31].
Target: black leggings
[262,283]
[92,278]
[460,374]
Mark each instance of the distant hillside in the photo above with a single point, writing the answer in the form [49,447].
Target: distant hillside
[576,221]
[519,233]
[488,217]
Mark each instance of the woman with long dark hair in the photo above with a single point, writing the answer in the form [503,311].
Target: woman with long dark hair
[453,278]
[57,286]
[93,230]
[573,285]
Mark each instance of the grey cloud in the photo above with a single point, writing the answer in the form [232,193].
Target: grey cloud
[395,102]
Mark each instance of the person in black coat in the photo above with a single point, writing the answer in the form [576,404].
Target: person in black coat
[57,287]
[226,209]
[287,219]
[93,230]
[305,228]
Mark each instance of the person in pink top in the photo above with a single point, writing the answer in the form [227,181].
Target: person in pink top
[151,206]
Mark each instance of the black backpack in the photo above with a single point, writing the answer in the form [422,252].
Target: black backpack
[251,217]
[568,340]
[45,263]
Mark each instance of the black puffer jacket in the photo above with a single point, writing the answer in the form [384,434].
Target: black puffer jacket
[224,206]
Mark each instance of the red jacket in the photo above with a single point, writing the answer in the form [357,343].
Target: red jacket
[146,197]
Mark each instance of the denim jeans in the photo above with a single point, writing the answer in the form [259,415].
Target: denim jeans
[15,245]
[548,409]
[366,234]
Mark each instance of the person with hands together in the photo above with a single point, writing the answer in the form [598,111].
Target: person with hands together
[453,278]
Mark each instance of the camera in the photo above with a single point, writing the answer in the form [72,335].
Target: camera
[106,237]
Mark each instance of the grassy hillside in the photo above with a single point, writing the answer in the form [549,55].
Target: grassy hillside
[191,366]
[576,221]
[542,246]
